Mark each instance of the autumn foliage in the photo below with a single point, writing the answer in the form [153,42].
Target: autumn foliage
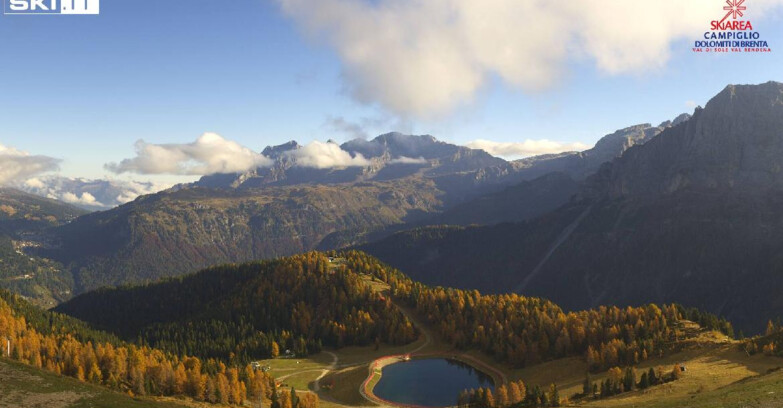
[136,370]
[527,330]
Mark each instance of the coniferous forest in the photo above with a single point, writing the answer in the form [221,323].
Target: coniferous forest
[249,311]
[524,331]
[63,345]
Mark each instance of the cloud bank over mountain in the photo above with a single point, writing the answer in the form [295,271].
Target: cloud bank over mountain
[213,154]
[526,148]
[19,165]
[427,57]
[326,155]
[209,154]
[90,194]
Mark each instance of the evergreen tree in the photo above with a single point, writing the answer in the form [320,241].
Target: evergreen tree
[644,382]
[275,399]
[554,396]
[629,381]
[587,385]
[652,378]
[294,399]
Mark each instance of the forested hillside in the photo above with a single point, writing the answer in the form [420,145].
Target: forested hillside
[178,232]
[21,212]
[240,312]
[23,219]
[526,331]
[250,311]
[62,345]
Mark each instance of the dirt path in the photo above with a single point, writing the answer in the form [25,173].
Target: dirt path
[332,366]
[422,328]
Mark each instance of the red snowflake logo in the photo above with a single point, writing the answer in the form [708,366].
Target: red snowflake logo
[734,8]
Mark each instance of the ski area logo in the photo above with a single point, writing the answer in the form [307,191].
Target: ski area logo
[732,33]
[735,9]
[51,6]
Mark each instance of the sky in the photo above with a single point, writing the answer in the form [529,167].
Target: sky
[166,91]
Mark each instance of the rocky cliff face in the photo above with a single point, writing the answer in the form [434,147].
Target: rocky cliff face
[580,165]
[734,143]
[694,216]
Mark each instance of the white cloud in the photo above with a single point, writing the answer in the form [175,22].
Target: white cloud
[408,160]
[91,194]
[526,148]
[34,183]
[84,199]
[425,57]
[128,191]
[17,165]
[325,155]
[209,154]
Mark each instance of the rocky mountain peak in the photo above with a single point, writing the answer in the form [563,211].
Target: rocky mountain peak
[276,151]
[398,145]
[735,142]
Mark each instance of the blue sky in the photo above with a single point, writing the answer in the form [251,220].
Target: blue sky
[85,88]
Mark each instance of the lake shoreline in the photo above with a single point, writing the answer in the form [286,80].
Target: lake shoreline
[375,370]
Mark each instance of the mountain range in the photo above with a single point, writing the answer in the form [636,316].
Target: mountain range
[686,211]
[693,215]
[291,207]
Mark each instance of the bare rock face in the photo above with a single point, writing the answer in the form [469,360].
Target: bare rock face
[734,143]
[580,165]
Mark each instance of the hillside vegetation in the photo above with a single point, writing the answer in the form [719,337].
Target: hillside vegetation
[27,387]
[67,347]
[23,220]
[250,311]
[300,303]
[178,232]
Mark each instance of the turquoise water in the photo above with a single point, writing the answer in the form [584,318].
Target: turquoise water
[433,382]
